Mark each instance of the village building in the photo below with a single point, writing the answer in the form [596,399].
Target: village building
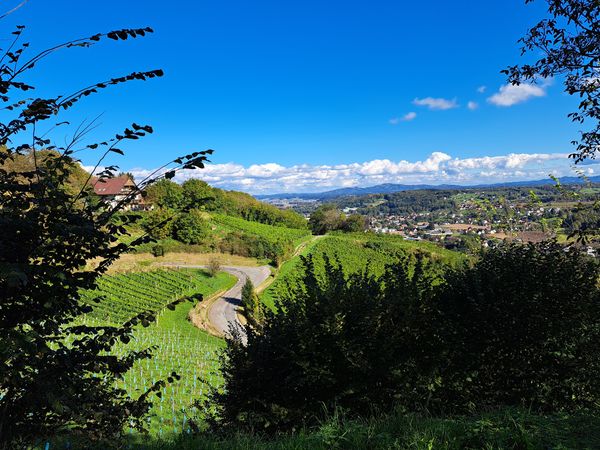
[114,190]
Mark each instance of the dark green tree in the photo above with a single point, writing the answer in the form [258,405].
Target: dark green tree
[566,45]
[354,223]
[326,218]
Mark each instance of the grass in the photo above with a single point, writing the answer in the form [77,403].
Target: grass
[507,429]
[139,262]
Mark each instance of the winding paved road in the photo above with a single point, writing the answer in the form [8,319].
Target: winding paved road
[222,313]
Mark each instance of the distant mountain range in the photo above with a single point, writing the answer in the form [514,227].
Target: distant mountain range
[390,188]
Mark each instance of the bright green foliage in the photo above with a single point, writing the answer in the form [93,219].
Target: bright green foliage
[165,194]
[258,240]
[191,228]
[271,232]
[158,223]
[178,345]
[357,253]
[518,328]
[126,295]
[196,194]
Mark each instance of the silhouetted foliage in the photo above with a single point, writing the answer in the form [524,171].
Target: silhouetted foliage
[568,42]
[57,374]
[518,328]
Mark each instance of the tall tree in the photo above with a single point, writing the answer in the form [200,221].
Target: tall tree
[569,44]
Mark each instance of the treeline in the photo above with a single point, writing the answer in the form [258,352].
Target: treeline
[432,200]
[197,194]
[519,328]
[195,214]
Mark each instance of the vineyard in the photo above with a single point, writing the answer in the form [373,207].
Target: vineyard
[180,347]
[126,295]
[356,253]
[270,232]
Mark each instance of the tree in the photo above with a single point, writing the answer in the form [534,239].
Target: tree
[196,193]
[57,374]
[325,218]
[158,223]
[354,223]
[214,266]
[569,43]
[191,227]
[165,194]
[247,294]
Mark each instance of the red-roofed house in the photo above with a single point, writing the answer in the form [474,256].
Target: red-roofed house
[117,189]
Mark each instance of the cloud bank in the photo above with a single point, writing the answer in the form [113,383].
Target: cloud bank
[437,168]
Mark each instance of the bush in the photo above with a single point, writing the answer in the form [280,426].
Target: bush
[158,223]
[519,328]
[158,250]
[191,228]
[214,266]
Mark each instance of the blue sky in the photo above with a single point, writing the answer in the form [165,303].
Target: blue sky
[311,95]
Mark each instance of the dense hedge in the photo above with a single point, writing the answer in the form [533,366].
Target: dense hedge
[519,328]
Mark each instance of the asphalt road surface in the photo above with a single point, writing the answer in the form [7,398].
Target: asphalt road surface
[222,314]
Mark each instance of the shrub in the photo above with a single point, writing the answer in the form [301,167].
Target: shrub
[519,328]
[158,250]
[214,266]
[191,228]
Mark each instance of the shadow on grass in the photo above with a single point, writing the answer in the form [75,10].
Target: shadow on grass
[507,429]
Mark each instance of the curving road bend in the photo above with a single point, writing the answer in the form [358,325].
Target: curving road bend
[222,313]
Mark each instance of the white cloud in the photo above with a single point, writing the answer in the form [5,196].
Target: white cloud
[436,103]
[481,89]
[405,118]
[472,105]
[437,168]
[511,94]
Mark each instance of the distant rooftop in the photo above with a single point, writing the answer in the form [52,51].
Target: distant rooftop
[111,186]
